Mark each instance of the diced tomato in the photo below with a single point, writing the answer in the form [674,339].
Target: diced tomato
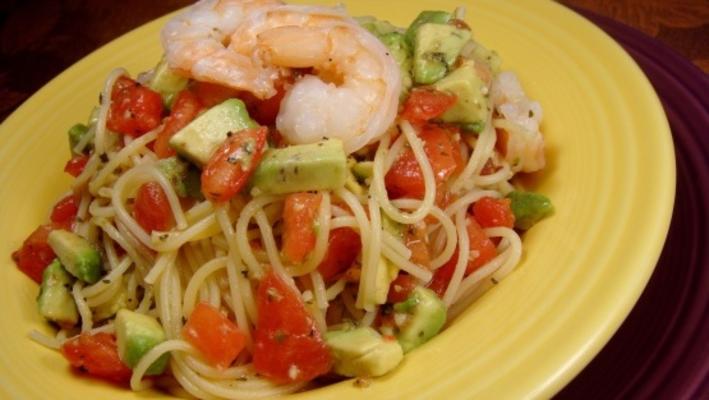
[265,111]
[299,213]
[288,346]
[97,355]
[184,109]
[211,94]
[479,243]
[343,246]
[230,167]
[404,178]
[75,166]
[502,139]
[64,212]
[490,212]
[218,339]
[151,208]
[35,254]
[135,109]
[415,240]
[401,287]
[424,104]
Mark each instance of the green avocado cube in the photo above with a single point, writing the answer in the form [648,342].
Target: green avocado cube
[76,254]
[425,17]
[201,137]
[472,105]
[425,316]
[301,168]
[55,301]
[166,82]
[363,352]
[436,48]
[529,208]
[136,334]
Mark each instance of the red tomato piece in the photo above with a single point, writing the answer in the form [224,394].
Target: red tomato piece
[265,111]
[288,347]
[151,208]
[424,104]
[64,212]
[211,94]
[490,212]
[35,254]
[479,243]
[404,178]
[97,355]
[185,108]
[75,166]
[135,109]
[401,288]
[299,213]
[230,167]
[343,246]
[218,339]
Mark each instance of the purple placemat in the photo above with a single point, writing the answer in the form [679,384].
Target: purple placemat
[661,350]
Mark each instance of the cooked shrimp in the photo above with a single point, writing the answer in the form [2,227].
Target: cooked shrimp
[353,87]
[197,44]
[521,119]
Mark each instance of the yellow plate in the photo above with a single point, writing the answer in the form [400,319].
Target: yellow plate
[611,177]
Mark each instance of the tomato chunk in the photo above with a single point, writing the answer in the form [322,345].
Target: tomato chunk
[405,179]
[135,109]
[64,212]
[185,108]
[343,246]
[288,347]
[265,111]
[35,254]
[75,166]
[299,214]
[424,104]
[401,288]
[211,94]
[230,167]
[490,212]
[97,355]
[218,339]
[151,208]
[479,243]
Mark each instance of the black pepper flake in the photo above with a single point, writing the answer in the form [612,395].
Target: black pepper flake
[311,333]
[295,170]
[245,274]
[495,281]
[531,113]
[106,281]
[229,134]
[163,237]
[103,157]
[100,98]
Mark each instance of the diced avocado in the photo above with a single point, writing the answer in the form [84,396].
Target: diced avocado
[425,316]
[425,17]
[166,82]
[55,301]
[436,47]
[185,179]
[76,254]
[376,26]
[400,49]
[299,168]
[490,57]
[363,170]
[386,273]
[529,208]
[363,352]
[136,334]
[201,137]
[76,133]
[472,105]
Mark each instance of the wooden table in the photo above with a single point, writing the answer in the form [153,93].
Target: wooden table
[40,38]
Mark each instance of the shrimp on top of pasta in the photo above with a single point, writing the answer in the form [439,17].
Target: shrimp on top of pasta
[290,196]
